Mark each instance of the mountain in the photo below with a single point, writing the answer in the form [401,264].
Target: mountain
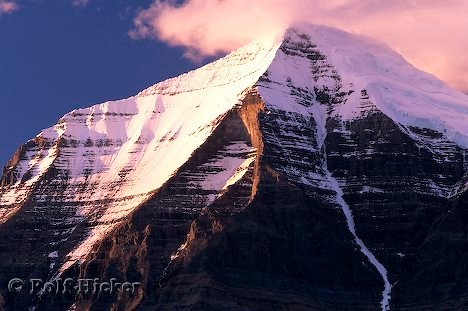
[311,170]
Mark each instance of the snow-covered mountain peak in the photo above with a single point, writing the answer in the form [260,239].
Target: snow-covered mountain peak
[306,129]
[360,65]
[110,158]
[364,57]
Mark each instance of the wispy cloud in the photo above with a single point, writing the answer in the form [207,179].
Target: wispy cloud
[429,33]
[80,3]
[7,7]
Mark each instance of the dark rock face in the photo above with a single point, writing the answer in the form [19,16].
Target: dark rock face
[388,175]
[276,238]
[437,271]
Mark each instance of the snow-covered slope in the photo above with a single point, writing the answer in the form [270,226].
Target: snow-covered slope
[125,150]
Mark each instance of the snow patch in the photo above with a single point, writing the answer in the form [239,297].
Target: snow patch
[53,254]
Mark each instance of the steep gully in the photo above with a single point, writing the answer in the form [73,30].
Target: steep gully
[385,303]
[363,248]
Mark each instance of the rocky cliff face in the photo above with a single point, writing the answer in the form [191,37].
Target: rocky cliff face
[315,170]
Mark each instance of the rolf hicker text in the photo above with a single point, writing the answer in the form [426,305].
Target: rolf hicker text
[82,287]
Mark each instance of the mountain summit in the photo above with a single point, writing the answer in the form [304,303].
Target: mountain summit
[312,170]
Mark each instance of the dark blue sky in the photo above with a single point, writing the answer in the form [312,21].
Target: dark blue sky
[55,57]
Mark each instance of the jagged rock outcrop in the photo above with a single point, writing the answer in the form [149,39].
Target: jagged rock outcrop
[316,170]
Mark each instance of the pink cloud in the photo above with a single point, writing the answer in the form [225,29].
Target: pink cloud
[431,34]
[6,7]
